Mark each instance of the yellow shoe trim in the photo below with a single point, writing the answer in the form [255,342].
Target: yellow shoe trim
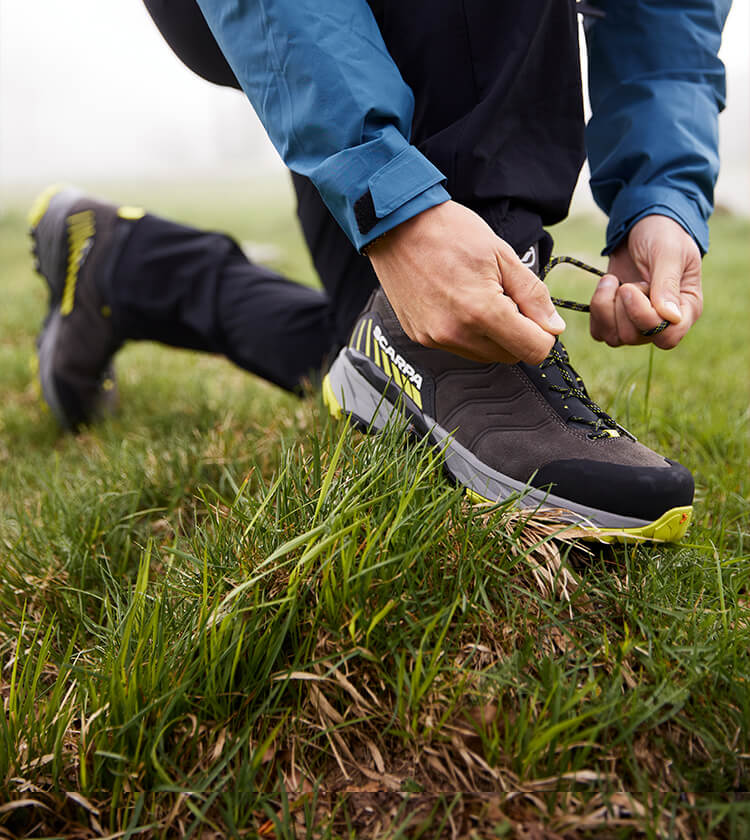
[41,204]
[329,398]
[131,213]
[81,229]
[669,527]
[359,336]
[477,498]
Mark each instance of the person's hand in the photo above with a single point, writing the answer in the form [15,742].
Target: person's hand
[454,285]
[653,276]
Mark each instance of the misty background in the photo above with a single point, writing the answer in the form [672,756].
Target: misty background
[89,91]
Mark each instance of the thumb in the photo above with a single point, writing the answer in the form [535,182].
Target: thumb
[529,294]
[667,268]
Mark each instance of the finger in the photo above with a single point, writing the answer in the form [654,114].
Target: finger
[466,339]
[478,349]
[691,306]
[529,293]
[635,315]
[513,332]
[667,268]
[603,322]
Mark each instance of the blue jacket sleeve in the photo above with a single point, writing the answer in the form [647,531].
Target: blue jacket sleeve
[333,103]
[656,86]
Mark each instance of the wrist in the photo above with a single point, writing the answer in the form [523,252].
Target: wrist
[374,245]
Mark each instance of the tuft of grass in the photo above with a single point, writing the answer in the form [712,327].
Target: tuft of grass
[222,613]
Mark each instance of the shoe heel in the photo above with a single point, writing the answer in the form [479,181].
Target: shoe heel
[49,236]
[347,392]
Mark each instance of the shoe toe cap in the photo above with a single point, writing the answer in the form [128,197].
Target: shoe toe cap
[642,492]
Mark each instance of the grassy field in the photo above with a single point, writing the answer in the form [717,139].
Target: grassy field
[223,614]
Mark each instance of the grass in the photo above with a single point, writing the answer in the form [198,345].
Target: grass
[223,614]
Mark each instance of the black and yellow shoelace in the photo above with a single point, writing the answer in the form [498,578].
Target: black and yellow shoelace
[602,424]
[584,307]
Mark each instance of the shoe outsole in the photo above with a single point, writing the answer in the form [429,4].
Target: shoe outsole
[347,393]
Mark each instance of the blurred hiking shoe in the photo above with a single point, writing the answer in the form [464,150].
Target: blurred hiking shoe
[76,241]
[507,429]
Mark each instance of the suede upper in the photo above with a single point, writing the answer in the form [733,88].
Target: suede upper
[537,423]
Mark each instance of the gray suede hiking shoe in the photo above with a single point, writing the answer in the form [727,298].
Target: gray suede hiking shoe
[76,241]
[506,429]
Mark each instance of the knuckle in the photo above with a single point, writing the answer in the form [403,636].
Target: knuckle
[443,334]
[537,357]
[416,333]
[539,353]
[471,317]
[421,337]
[534,290]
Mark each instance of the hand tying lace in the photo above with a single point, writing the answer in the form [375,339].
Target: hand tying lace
[584,307]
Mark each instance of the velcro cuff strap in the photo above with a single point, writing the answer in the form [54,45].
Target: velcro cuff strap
[401,179]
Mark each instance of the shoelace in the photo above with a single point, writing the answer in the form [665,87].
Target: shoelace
[603,425]
[584,307]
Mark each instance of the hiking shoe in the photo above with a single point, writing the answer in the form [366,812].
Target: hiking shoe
[75,242]
[520,429]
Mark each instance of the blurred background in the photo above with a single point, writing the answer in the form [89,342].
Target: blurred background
[89,92]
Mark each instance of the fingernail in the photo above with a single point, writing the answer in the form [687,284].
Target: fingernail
[674,310]
[608,282]
[556,322]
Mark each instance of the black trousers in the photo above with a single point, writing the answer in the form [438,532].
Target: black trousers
[498,108]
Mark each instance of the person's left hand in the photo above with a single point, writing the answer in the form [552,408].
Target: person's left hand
[654,275]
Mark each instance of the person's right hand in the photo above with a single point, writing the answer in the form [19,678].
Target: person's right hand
[454,285]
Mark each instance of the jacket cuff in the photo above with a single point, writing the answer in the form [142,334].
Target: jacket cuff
[633,203]
[375,186]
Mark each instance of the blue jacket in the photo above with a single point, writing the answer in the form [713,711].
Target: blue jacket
[337,110]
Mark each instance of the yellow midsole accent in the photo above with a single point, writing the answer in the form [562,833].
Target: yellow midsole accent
[41,204]
[329,398]
[669,527]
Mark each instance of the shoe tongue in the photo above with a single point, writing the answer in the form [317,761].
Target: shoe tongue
[554,373]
